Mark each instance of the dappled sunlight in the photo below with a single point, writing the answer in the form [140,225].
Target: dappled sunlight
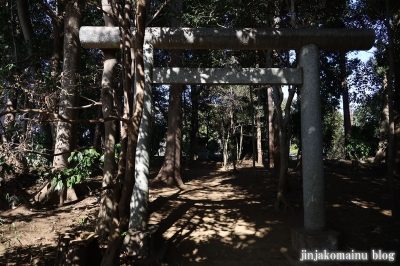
[371,205]
[205,224]
[365,204]
[218,212]
[386,212]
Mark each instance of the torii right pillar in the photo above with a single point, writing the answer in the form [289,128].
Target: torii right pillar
[314,235]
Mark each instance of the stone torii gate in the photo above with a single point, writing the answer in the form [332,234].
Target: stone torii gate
[314,234]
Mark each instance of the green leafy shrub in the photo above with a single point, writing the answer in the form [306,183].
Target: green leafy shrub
[82,164]
[357,149]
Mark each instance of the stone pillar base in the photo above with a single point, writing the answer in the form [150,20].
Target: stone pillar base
[140,243]
[311,241]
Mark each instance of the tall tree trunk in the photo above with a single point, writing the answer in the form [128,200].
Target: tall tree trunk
[225,143]
[121,215]
[380,155]
[390,148]
[24,19]
[98,132]
[271,138]
[194,123]
[345,97]
[253,135]
[107,98]
[27,31]
[125,110]
[50,130]
[259,133]
[277,147]
[283,123]
[232,128]
[170,172]
[240,143]
[66,132]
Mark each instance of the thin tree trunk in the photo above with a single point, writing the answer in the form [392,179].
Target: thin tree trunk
[390,148]
[98,132]
[27,31]
[240,142]
[380,155]
[271,138]
[253,141]
[283,123]
[231,131]
[225,155]
[345,97]
[107,98]
[55,62]
[194,123]
[66,132]
[259,133]
[121,218]
[277,147]
[124,15]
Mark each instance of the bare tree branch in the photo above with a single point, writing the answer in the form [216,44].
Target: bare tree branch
[60,118]
[158,12]
[85,106]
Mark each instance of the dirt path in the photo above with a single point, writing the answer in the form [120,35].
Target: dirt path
[223,218]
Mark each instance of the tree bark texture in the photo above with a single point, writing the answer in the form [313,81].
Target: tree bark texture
[391,144]
[170,172]
[66,132]
[107,98]
[271,142]
[283,123]
[122,210]
[194,123]
[380,155]
[345,97]
[259,133]
[253,135]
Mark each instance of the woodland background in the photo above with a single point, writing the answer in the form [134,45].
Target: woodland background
[68,112]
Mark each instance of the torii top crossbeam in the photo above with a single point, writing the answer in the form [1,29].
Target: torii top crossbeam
[235,39]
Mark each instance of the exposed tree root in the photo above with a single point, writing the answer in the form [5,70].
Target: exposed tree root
[281,200]
[169,181]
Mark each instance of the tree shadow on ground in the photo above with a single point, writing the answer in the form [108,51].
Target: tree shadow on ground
[228,219]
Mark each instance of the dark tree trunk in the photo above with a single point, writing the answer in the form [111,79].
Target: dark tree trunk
[271,139]
[380,155]
[283,132]
[98,132]
[345,96]
[121,210]
[107,98]
[390,148]
[194,123]
[259,133]
[66,132]
[170,172]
